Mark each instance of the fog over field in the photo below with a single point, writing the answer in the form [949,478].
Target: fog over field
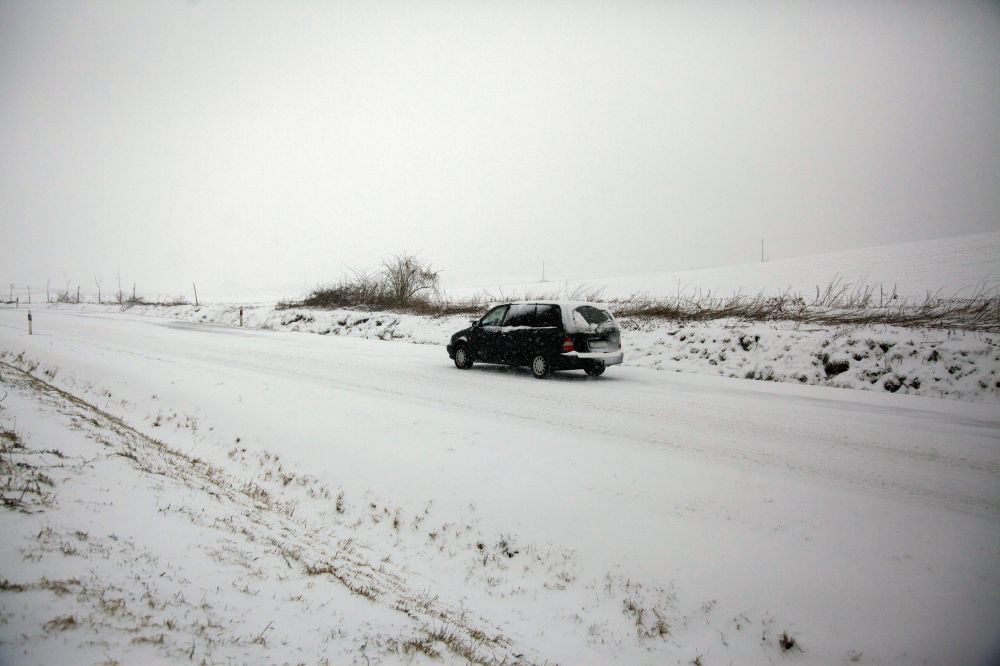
[261,145]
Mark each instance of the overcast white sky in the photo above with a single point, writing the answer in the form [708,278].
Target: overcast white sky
[263,143]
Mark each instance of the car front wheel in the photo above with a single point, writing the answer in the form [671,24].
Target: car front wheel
[463,359]
[540,367]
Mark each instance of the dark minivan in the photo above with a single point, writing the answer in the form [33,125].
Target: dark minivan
[543,335]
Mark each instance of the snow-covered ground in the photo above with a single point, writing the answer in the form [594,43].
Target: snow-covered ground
[224,495]
[962,365]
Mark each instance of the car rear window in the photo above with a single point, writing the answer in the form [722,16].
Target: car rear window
[591,315]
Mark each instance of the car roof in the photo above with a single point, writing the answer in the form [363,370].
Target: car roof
[571,305]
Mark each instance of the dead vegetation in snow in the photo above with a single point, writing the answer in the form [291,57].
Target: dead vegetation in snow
[838,303]
[259,527]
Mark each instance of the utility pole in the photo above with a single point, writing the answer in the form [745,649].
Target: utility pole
[761,250]
[195,293]
[29,294]
[543,270]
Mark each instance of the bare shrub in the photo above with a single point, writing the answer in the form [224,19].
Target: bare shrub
[404,281]
[407,278]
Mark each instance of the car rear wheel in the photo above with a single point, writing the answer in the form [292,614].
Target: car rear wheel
[463,359]
[540,367]
[595,369]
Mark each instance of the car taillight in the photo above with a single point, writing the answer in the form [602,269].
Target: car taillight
[568,344]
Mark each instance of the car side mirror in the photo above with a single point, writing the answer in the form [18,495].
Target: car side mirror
[474,322]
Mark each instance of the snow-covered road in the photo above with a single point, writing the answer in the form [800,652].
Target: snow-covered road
[864,524]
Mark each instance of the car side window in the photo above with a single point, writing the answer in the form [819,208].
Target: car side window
[520,315]
[494,316]
[548,316]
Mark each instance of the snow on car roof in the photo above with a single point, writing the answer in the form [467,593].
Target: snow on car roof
[568,312]
[572,305]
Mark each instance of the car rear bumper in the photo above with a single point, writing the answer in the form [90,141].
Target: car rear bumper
[576,360]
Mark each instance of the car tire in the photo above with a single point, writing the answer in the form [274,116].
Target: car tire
[463,357]
[541,367]
[595,369]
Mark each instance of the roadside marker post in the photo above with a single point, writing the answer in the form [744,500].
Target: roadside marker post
[29,322]
[241,316]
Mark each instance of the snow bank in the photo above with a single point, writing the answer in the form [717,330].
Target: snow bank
[353,323]
[944,364]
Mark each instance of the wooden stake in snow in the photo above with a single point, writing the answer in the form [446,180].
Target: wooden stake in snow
[195,293]
[29,322]
[241,316]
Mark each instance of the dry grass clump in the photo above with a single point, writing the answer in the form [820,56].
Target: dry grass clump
[836,304]
[163,302]
[23,485]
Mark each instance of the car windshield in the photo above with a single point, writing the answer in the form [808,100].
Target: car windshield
[494,316]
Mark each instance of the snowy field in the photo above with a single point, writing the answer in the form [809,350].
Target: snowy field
[946,267]
[206,494]
[955,266]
